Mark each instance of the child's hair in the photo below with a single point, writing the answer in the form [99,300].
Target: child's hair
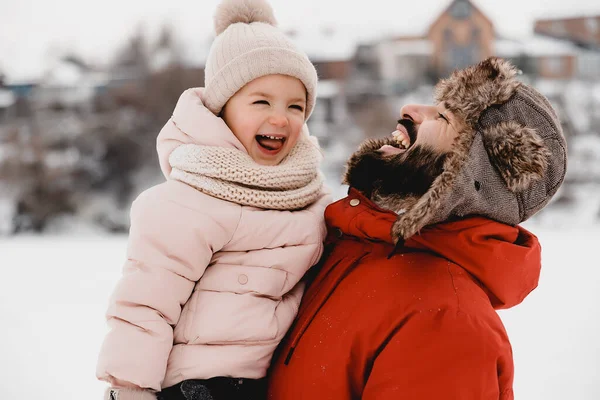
[249,45]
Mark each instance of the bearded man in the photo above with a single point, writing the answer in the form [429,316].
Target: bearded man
[426,247]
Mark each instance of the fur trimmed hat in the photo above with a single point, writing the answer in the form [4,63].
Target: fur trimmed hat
[507,163]
[249,45]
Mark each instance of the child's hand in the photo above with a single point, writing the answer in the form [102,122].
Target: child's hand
[128,394]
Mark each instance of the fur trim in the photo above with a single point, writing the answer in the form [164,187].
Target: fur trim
[393,182]
[467,92]
[364,148]
[421,214]
[517,152]
[245,11]
[396,203]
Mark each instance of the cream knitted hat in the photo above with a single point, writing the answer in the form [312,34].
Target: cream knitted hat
[249,45]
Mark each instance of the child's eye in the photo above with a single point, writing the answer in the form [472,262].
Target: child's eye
[442,116]
[297,107]
[261,102]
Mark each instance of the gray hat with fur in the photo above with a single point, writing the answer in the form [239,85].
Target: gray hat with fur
[507,163]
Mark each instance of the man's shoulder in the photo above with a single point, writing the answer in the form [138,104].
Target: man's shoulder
[416,281]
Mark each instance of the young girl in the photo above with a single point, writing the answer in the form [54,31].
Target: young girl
[216,253]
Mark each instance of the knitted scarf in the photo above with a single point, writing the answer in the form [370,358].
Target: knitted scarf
[232,175]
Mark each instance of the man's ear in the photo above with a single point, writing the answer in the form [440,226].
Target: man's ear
[517,152]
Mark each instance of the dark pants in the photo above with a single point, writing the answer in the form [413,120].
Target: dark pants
[219,388]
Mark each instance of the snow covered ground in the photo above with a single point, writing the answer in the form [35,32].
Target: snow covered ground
[54,291]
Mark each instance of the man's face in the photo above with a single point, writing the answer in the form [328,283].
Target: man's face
[393,169]
[433,127]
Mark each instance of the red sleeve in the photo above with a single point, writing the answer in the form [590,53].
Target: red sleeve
[444,354]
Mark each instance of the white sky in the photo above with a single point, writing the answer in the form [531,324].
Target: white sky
[30,30]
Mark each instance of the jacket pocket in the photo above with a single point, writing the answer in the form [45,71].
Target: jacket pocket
[243,280]
[226,317]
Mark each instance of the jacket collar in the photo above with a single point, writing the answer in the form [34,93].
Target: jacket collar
[357,216]
[505,259]
[193,123]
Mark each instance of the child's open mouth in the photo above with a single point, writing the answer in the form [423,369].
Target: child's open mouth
[271,144]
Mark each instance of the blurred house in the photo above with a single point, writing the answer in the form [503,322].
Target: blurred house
[540,57]
[583,33]
[7,102]
[563,57]
[68,83]
[459,35]
[462,34]
[331,117]
[17,94]
[332,52]
[329,49]
[7,105]
[21,89]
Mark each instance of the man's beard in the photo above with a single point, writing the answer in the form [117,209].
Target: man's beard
[393,182]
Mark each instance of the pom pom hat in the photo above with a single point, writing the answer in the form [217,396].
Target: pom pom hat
[249,45]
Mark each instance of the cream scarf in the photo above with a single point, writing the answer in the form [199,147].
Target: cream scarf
[232,175]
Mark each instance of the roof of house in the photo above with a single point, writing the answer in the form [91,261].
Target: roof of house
[535,46]
[538,45]
[572,12]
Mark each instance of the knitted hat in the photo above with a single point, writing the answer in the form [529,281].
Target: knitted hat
[249,45]
[506,164]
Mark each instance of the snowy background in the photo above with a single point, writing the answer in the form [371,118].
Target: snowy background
[55,290]
[77,145]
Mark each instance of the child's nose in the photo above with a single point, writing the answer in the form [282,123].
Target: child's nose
[278,119]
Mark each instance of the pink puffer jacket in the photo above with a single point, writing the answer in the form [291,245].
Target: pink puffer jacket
[209,287]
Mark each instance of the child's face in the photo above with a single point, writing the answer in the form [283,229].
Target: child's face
[267,116]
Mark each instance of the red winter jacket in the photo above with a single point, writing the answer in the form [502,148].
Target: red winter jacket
[420,325]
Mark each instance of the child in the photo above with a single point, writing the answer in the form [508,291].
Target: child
[216,253]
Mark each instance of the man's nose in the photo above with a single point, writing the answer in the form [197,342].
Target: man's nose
[418,112]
